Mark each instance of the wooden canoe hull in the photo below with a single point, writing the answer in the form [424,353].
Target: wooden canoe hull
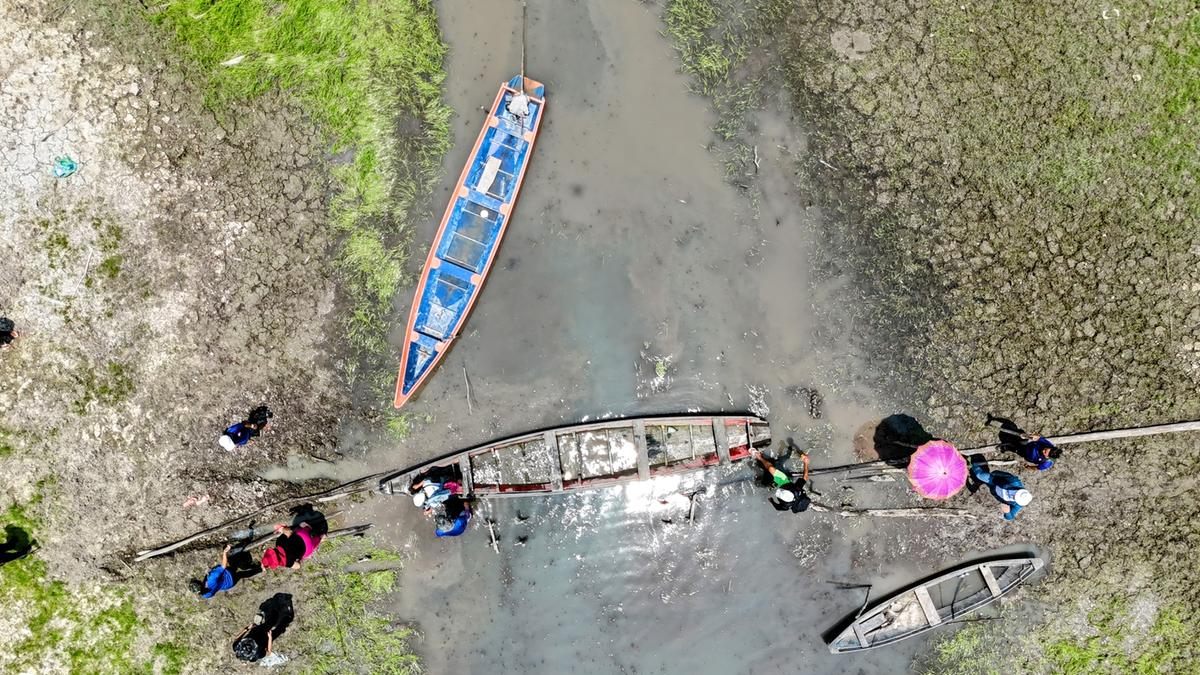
[933,602]
[470,233]
[595,455]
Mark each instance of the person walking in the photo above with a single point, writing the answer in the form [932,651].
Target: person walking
[1036,450]
[789,492]
[247,430]
[1005,487]
[8,332]
[293,545]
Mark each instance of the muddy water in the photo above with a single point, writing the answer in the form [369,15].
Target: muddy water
[629,247]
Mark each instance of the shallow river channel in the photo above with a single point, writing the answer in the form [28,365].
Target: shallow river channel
[630,249]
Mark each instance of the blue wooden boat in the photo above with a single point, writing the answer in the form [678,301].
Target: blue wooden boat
[471,230]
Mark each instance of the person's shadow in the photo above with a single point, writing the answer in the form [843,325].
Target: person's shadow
[897,437]
[17,544]
[278,613]
[1009,435]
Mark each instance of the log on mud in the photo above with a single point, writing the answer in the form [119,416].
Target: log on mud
[908,512]
[362,484]
[1107,435]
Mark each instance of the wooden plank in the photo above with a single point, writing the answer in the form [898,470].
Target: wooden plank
[863,640]
[931,613]
[639,438]
[551,440]
[722,439]
[464,463]
[1107,435]
[990,580]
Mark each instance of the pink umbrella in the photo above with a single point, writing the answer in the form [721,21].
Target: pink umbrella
[937,470]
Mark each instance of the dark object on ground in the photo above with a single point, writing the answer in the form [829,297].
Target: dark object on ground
[931,603]
[810,399]
[260,417]
[17,544]
[274,616]
[8,332]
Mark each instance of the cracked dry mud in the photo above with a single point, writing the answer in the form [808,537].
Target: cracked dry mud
[1018,201]
[176,280]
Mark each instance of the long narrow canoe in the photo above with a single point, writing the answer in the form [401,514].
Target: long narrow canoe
[472,227]
[585,456]
[929,604]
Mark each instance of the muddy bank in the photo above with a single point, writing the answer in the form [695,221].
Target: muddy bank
[1013,190]
[178,278]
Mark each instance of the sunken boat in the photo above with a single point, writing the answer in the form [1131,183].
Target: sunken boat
[940,600]
[593,455]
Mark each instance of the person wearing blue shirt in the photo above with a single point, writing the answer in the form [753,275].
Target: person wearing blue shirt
[1005,487]
[454,521]
[1038,451]
[219,578]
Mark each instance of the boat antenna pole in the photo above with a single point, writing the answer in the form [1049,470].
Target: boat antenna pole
[522,46]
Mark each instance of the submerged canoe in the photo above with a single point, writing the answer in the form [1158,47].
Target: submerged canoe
[585,456]
[471,230]
[929,604]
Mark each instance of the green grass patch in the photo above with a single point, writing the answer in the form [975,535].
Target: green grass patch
[690,26]
[370,72]
[1168,646]
[110,386]
[340,628]
[91,631]
[56,244]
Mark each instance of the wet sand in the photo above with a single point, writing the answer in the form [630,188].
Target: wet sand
[628,244]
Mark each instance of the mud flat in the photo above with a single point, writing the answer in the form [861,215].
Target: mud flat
[177,279]
[1013,189]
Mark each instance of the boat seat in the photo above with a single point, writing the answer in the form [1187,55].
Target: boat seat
[490,170]
[485,200]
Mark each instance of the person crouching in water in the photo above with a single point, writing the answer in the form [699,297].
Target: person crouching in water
[428,493]
[293,545]
[789,492]
[453,519]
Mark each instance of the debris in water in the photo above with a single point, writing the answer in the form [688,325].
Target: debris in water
[664,366]
[758,400]
[809,398]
